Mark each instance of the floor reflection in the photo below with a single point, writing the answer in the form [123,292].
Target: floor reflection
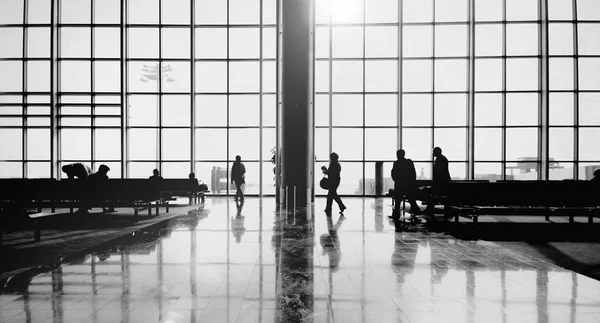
[260,263]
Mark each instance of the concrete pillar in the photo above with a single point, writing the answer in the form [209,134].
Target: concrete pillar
[296,121]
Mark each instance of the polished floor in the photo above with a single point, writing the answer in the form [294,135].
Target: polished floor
[259,263]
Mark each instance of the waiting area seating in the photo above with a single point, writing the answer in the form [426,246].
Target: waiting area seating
[18,195]
[472,199]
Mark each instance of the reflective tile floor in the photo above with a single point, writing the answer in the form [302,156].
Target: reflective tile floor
[258,263]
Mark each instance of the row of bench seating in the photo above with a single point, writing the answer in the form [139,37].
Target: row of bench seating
[471,199]
[140,194]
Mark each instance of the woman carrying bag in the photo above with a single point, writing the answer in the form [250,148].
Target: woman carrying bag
[333,181]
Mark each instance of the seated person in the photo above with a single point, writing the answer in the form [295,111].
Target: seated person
[155,175]
[86,202]
[596,178]
[78,170]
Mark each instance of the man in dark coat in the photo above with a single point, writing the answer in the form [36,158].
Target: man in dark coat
[405,180]
[238,171]
[441,174]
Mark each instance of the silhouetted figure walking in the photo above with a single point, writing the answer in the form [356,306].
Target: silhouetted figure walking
[78,170]
[334,178]
[238,171]
[405,184]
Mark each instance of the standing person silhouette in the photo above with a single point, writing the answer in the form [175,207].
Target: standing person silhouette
[333,173]
[441,178]
[238,171]
[405,184]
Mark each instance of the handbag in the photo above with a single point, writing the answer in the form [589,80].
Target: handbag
[324,183]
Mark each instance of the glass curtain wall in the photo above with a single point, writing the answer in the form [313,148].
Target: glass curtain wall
[509,89]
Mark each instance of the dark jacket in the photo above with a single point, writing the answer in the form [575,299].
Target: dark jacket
[404,174]
[441,174]
[333,172]
[237,172]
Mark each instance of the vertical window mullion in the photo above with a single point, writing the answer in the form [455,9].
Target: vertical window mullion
[471,93]
[260,101]
[192,86]
[24,66]
[504,163]
[400,65]
[364,90]
[576,91]
[124,96]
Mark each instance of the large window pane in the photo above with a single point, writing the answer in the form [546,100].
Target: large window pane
[451,10]
[417,10]
[107,76]
[381,11]
[245,12]
[176,110]
[589,78]
[176,77]
[561,109]
[75,76]
[521,143]
[416,110]
[522,109]
[417,144]
[417,41]
[347,76]
[588,10]
[38,76]
[211,43]
[381,76]
[211,12]
[143,42]
[452,141]
[348,143]
[175,43]
[143,144]
[75,42]
[560,41]
[11,12]
[381,110]
[38,42]
[211,144]
[15,70]
[11,149]
[143,76]
[243,142]
[108,144]
[451,40]
[381,144]
[561,144]
[450,110]
[488,144]
[211,110]
[75,11]
[107,11]
[561,74]
[348,11]
[521,39]
[76,144]
[107,42]
[450,75]
[522,9]
[347,42]
[560,9]
[381,41]
[321,76]
[244,42]
[488,110]
[588,144]
[143,11]
[176,12]
[244,76]
[244,110]
[347,110]
[176,144]
[12,42]
[416,76]
[589,109]
[143,110]
[488,40]
[522,74]
[211,77]
[38,144]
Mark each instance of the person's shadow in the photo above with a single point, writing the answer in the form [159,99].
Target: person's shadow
[237,223]
[331,243]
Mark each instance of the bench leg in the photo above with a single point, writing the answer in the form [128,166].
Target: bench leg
[590,219]
[167,206]
[136,211]
[71,210]
[37,235]
[149,206]
[157,208]
[571,219]
[475,219]
[547,217]
[456,218]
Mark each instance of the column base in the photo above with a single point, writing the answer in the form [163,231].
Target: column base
[295,196]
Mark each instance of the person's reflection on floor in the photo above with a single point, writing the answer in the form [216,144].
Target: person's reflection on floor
[403,259]
[378,206]
[237,223]
[439,262]
[331,242]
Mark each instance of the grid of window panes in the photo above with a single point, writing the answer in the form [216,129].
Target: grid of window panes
[470,80]
[25,89]
[574,109]
[89,67]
